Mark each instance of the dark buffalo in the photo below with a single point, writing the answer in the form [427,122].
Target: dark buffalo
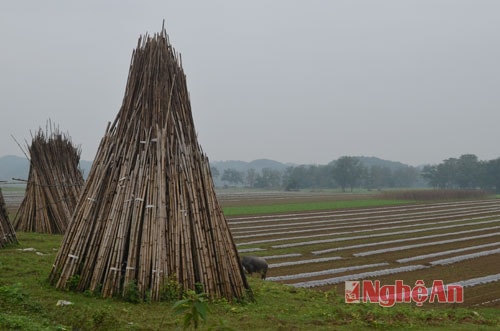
[253,264]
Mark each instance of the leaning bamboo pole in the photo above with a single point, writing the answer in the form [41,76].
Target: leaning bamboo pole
[54,183]
[7,232]
[148,212]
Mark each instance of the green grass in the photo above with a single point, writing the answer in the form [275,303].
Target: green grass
[309,206]
[435,195]
[18,188]
[28,302]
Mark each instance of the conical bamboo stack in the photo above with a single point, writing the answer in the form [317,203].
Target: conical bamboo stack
[148,212]
[54,183]
[7,233]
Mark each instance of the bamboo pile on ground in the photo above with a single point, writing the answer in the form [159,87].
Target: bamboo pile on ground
[148,213]
[54,183]
[7,232]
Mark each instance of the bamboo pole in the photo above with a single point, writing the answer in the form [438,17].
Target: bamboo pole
[7,232]
[54,183]
[148,210]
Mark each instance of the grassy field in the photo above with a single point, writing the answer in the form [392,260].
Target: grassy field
[317,249]
[308,206]
[255,203]
[28,302]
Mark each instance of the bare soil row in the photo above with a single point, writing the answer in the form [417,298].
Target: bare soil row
[322,249]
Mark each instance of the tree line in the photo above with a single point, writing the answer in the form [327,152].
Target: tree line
[465,172]
[349,172]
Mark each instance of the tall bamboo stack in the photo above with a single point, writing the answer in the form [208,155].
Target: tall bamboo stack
[148,213]
[7,233]
[54,183]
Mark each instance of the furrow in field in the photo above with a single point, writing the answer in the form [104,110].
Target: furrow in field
[326,272]
[363,225]
[373,235]
[452,251]
[479,280]
[460,258]
[365,211]
[376,273]
[308,221]
[248,250]
[336,280]
[378,242]
[282,256]
[318,260]
[406,247]
[325,251]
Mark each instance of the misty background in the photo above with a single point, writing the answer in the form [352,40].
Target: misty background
[294,81]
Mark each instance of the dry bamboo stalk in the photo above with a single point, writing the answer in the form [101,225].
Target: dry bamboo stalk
[7,232]
[54,183]
[148,210]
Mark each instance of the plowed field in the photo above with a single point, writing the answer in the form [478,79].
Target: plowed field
[456,242]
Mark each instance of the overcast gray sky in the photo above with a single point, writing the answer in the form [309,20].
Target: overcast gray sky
[295,81]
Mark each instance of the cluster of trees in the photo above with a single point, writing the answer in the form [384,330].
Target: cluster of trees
[350,172]
[466,172]
[345,173]
[268,178]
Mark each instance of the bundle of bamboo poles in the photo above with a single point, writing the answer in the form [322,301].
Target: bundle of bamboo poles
[54,183]
[148,212]
[7,233]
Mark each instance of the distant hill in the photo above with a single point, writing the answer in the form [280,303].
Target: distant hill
[18,167]
[257,165]
[369,161]
[85,167]
[233,164]
[243,167]
[12,166]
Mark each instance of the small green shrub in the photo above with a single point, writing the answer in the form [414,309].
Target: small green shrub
[15,322]
[90,318]
[171,290]
[12,294]
[15,295]
[73,282]
[131,292]
[193,307]
[435,194]
[198,288]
